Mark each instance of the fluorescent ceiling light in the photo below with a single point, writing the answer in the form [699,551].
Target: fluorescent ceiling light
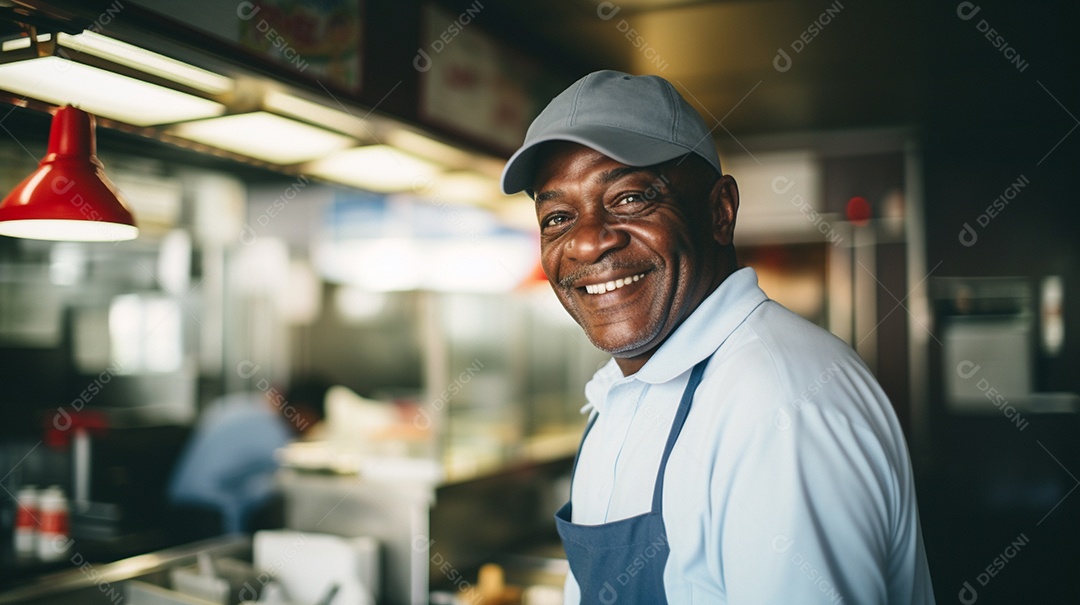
[377,168]
[317,113]
[103,93]
[265,136]
[431,149]
[23,42]
[463,187]
[146,61]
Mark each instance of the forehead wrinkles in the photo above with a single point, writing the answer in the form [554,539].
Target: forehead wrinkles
[565,162]
[648,177]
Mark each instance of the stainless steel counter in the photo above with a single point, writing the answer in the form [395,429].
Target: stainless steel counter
[87,583]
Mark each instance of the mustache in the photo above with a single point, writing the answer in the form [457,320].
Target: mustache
[598,269]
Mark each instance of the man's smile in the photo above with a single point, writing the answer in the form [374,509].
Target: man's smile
[615,284]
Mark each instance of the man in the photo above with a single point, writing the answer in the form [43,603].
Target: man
[225,475]
[735,453]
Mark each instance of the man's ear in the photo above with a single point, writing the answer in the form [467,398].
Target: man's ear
[724,203]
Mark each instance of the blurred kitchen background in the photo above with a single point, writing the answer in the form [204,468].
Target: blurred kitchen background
[322,200]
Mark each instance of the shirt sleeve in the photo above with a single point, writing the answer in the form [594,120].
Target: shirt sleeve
[810,515]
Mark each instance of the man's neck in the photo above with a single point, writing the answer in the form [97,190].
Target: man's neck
[632,364]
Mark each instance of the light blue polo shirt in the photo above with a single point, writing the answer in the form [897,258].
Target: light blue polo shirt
[790,482]
[229,463]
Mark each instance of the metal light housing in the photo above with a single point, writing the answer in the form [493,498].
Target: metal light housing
[68,197]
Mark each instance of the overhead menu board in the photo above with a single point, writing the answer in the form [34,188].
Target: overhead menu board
[322,36]
[319,38]
[472,84]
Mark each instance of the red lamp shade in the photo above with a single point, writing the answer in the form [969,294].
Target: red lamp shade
[68,197]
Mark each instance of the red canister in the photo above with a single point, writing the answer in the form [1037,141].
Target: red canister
[53,535]
[27,519]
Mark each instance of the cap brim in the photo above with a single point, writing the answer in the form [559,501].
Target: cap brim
[634,149]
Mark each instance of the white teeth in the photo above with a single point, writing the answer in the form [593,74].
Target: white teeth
[613,285]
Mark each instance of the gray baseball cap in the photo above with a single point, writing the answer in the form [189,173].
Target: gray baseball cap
[635,120]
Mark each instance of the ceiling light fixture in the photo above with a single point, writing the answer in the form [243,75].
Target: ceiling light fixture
[465,187]
[378,168]
[147,61]
[428,148]
[265,136]
[302,109]
[37,67]
[68,197]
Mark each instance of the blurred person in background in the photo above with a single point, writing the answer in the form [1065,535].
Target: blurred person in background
[223,481]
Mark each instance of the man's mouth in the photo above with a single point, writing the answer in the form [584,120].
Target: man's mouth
[615,284]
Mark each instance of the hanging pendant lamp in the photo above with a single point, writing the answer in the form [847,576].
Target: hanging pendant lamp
[68,197]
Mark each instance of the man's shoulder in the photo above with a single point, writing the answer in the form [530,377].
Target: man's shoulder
[778,324]
[774,337]
[777,360]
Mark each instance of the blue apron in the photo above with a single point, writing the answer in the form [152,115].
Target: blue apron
[623,561]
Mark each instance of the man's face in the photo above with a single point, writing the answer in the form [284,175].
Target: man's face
[629,251]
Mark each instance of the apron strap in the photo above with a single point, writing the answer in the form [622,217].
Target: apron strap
[676,428]
[673,435]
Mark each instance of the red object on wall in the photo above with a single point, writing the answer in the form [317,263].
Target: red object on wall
[858,210]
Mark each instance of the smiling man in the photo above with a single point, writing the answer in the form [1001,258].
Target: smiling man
[734,453]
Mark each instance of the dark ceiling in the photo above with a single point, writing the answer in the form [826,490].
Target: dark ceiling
[955,70]
[849,63]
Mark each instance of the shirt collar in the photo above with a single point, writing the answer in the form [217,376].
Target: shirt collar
[696,338]
[706,329]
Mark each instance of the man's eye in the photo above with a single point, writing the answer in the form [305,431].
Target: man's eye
[553,221]
[630,202]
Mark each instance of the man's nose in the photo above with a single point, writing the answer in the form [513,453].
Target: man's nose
[594,234]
